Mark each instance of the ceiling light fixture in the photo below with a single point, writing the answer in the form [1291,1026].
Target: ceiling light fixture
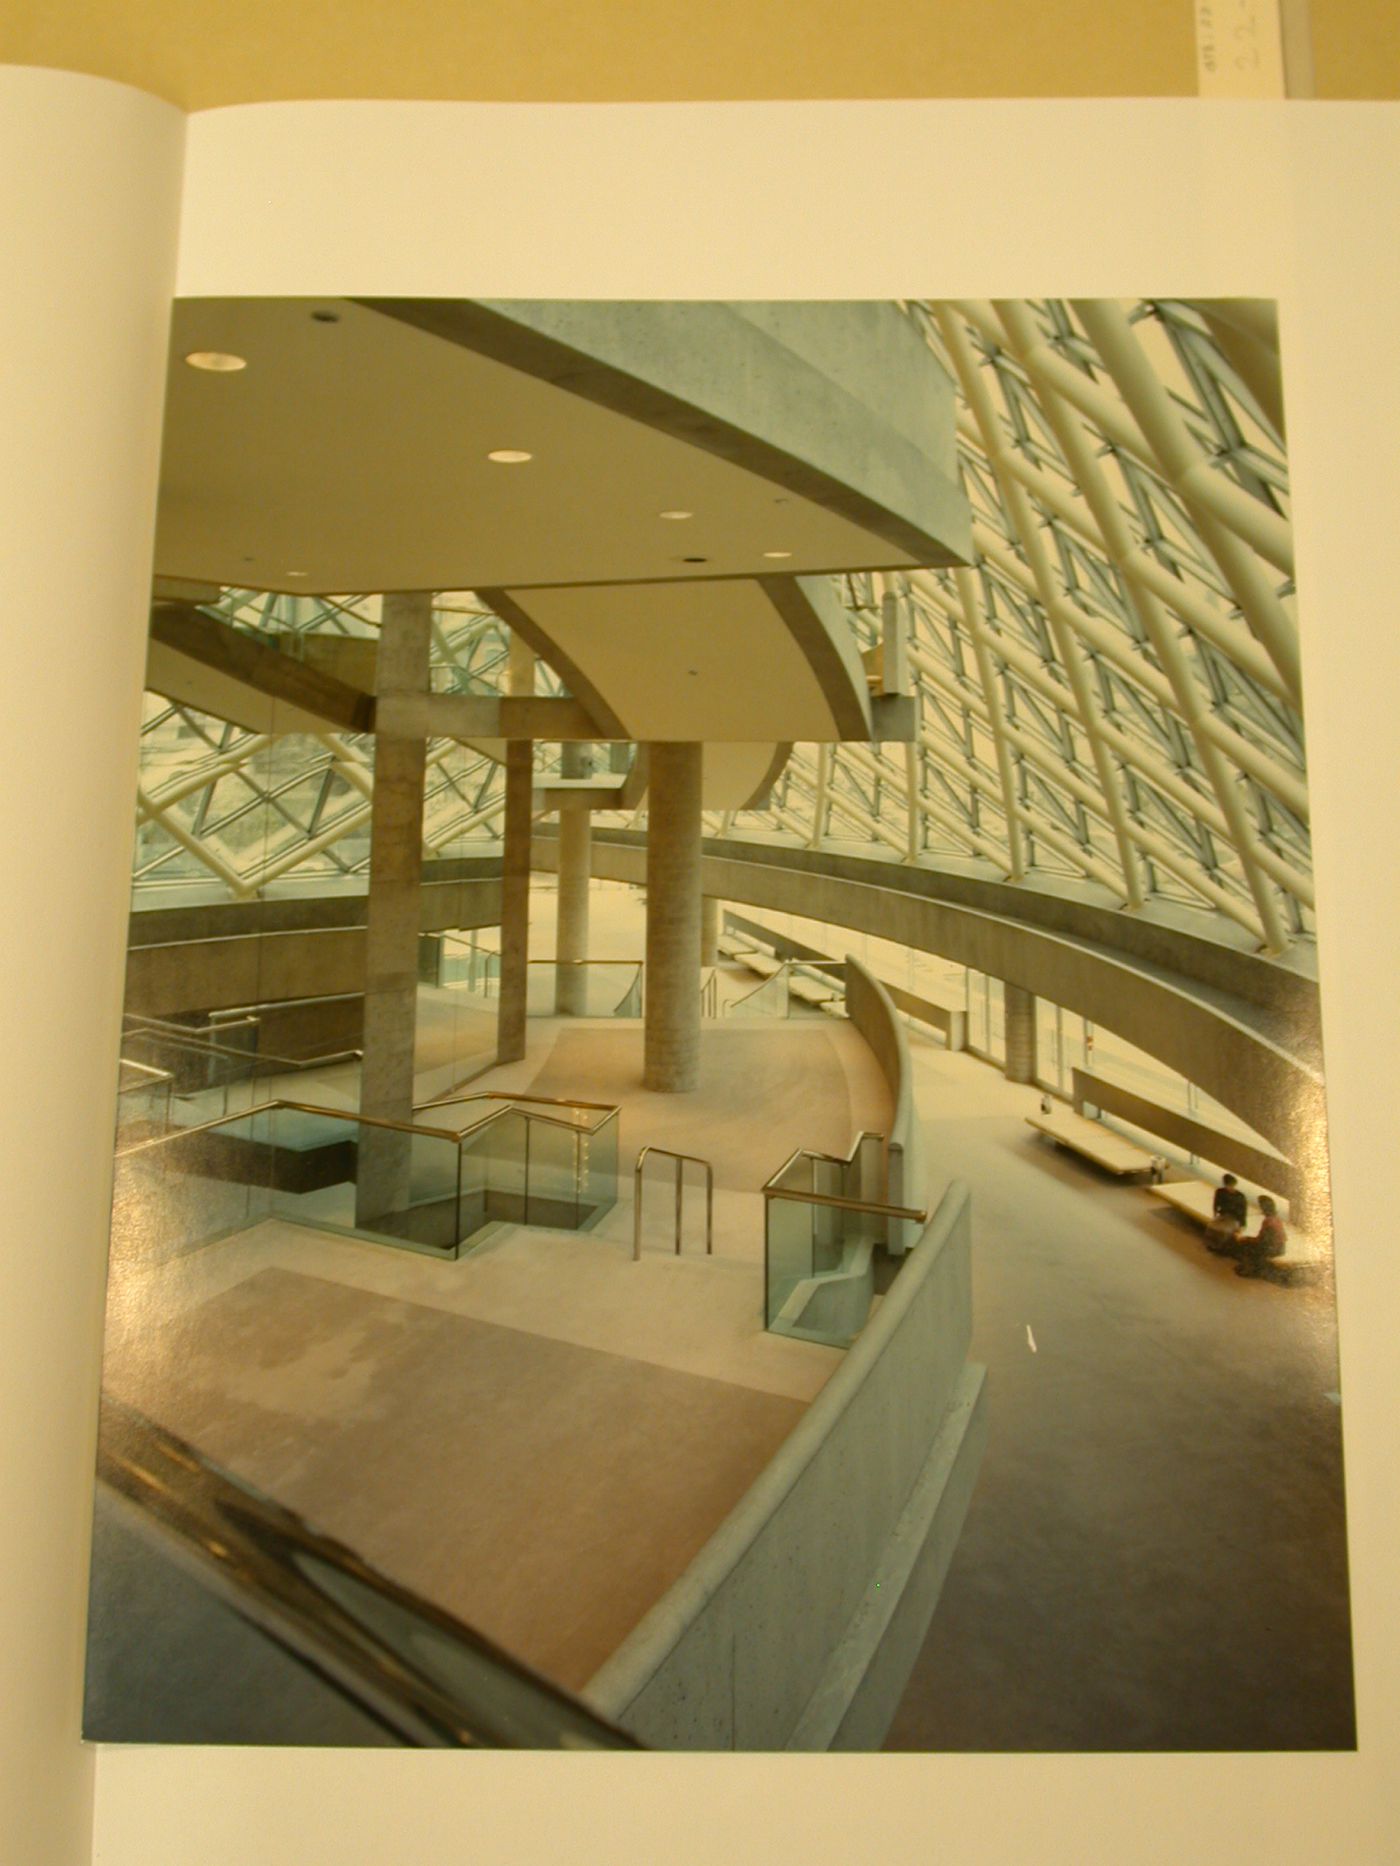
[221,362]
[675,514]
[325,317]
[777,553]
[509,456]
[692,560]
[298,573]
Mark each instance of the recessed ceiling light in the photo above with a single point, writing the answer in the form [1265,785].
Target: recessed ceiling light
[692,560]
[298,573]
[509,456]
[325,317]
[220,361]
[675,514]
[777,553]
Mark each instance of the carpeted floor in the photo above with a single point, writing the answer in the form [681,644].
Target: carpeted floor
[545,1492]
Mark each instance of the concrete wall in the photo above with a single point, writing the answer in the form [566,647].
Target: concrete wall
[263,967]
[1211,1040]
[797,1624]
[1225,1150]
[1164,936]
[951,1021]
[870,1009]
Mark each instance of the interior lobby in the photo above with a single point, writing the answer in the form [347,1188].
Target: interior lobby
[688,1034]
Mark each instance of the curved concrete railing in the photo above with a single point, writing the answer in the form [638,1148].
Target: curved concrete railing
[1191,1026]
[871,1009]
[798,1622]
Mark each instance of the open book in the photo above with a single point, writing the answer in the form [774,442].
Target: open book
[126,207]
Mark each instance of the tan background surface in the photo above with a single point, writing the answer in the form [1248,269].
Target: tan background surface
[199,55]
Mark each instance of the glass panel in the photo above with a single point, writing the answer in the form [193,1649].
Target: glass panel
[552,1175]
[454,1036]
[770,999]
[143,1104]
[317,1161]
[787,1251]
[996,1019]
[347,1174]
[501,1149]
[598,1169]
[184,1191]
[595,988]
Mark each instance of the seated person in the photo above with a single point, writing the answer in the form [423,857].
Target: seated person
[1270,1240]
[1229,1209]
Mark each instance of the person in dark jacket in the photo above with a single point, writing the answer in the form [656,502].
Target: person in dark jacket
[1270,1240]
[1229,1209]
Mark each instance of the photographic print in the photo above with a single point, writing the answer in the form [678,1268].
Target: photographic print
[721,1136]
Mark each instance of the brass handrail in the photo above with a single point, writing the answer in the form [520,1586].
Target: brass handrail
[762,985]
[423,1676]
[832,1159]
[637,962]
[300,1107]
[680,1159]
[146,1069]
[550,1101]
[845,1205]
[173,1034]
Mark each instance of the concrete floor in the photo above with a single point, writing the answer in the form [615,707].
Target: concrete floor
[1155,1555]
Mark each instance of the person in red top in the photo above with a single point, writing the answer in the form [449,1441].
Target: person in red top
[1270,1240]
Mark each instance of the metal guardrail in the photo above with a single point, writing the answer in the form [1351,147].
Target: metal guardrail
[427,1678]
[680,1160]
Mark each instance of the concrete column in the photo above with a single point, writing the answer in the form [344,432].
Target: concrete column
[393,916]
[672,1040]
[571,938]
[515,870]
[709,930]
[1019,1009]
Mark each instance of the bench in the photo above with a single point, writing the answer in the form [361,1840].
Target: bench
[1095,1141]
[1302,1261]
[813,991]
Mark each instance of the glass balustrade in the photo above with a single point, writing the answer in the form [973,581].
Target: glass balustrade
[770,998]
[143,1102]
[185,1189]
[589,988]
[432,1185]
[821,1224]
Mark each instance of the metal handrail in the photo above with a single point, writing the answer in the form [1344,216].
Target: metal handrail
[145,1069]
[843,1204]
[833,1159]
[180,1038]
[680,1160]
[604,1108]
[783,972]
[299,1107]
[425,1677]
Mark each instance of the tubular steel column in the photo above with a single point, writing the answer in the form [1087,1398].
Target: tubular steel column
[515,871]
[672,1035]
[1019,1008]
[571,937]
[393,916]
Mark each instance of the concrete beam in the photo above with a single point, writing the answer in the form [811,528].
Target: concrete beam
[1195,1031]
[214,644]
[839,403]
[480,716]
[243,956]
